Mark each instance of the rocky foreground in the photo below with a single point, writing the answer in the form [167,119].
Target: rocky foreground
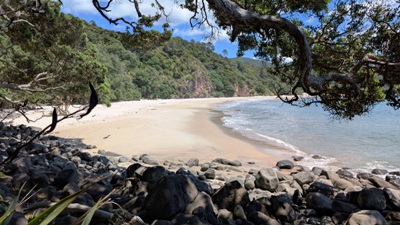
[193,192]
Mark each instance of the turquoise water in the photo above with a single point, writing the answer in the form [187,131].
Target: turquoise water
[367,142]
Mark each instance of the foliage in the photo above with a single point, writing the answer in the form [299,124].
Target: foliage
[49,56]
[174,69]
[346,58]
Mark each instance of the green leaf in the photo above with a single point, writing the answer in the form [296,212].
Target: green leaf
[91,213]
[5,219]
[51,213]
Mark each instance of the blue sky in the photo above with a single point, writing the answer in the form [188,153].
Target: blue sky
[178,19]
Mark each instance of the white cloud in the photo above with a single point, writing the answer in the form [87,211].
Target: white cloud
[178,18]
[125,8]
[78,6]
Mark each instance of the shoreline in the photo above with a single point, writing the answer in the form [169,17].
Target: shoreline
[166,130]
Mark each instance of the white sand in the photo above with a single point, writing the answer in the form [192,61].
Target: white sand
[165,129]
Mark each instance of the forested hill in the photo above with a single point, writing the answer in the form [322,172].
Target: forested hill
[177,69]
[66,53]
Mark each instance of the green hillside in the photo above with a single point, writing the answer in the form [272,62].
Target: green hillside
[73,52]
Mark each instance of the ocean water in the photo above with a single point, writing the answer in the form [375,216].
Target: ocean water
[365,143]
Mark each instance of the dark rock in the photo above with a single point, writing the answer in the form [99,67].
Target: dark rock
[392,179]
[40,179]
[392,198]
[210,173]
[317,157]
[267,179]
[224,215]
[261,218]
[161,222]
[319,187]
[18,181]
[379,171]
[372,199]
[169,196]
[366,217]
[393,216]
[255,206]
[187,219]
[238,213]
[304,177]
[21,165]
[66,176]
[49,193]
[99,190]
[285,164]
[396,173]
[281,208]
[320,203]
[212,219]
[364,176]
[192,162]
[205,167]
[344,173]
[344,207]
[84,156]
[230,195]
[153,174]
[298,158]
[131,170]
[18,218]
[202,200]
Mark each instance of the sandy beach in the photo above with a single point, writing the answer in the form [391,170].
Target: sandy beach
[164,129]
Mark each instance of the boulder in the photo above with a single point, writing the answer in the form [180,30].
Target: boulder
[392,198]
[230,195]
[209,173]
[192,162]
[281,208]
[320,203]
[372,199]
[267,179]
[148,160]
[343,173]
[379,171]
[224,216]
[187,219]
[379,182]
[238,213]
[249,182]
[154,173]
[304,177]
[202,200]
[261,218]
[344,207]
[285,164]
[227,162]
[169,196]
[323,188]
[66,176]
[366,217]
